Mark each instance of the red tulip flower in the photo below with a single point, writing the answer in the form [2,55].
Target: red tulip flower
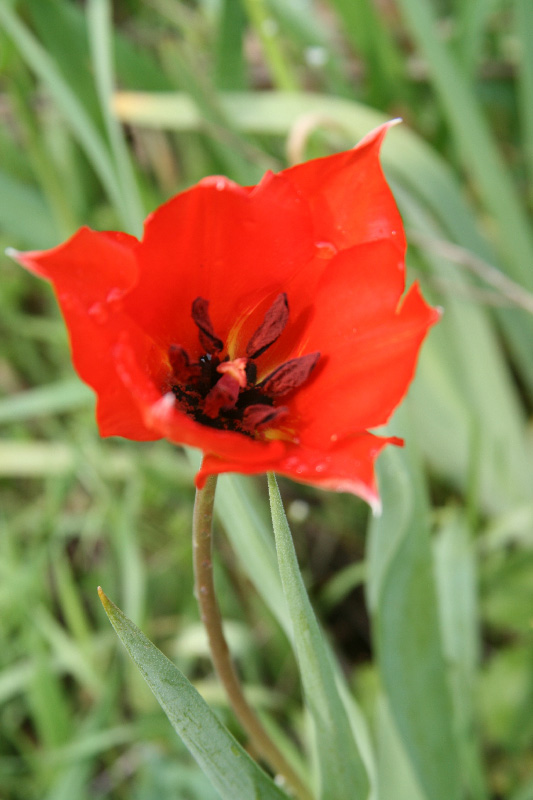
[264,325]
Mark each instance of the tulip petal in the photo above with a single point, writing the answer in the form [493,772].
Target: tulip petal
[92,272]
[349,198]
[371,339]
[223,243]
[346,466]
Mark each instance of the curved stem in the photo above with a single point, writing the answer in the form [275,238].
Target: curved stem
[212,620]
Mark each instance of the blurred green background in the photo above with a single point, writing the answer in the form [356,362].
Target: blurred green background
[238,87]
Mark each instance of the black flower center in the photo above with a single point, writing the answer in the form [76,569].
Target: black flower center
[224,393]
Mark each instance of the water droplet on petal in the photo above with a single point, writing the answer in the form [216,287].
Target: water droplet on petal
[326,249]
[99,312]
[162,409]
[334,437]
[115,296]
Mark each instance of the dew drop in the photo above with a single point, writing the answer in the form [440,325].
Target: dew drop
[99,312]
[325,249]
[115,295]
[316,56]
[298,511]
[322,467]
[291,463]
[161,410]
[334,437]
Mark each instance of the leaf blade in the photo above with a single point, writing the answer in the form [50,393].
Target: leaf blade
[228,766]
[343,774]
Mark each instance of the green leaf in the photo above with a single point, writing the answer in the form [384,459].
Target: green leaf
[100,39]
[20,202]
[230,769]
[402,598]
[483,161]
[56,398]
[342,773]
[82,125]
[239,506]
[456,580]
[396,780]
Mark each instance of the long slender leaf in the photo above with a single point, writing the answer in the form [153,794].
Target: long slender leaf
[238,505]
[100,39]
[230,769]
[342,773]
[406,632]
[524,32]
[75,114]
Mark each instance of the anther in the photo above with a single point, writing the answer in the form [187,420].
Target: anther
[271,328]
[200,315]
[290,375]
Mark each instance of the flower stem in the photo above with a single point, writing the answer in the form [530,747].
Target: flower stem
[212,620]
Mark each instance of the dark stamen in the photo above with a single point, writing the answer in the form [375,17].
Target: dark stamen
[251,373]
[179,359]
[222,396]
[290,375]
[259,416]
[201,318]
[271,328]
[222,392]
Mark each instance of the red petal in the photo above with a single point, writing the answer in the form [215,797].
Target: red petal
[347,466]
[369,348]
[224,243]
[350,200]
[92,274]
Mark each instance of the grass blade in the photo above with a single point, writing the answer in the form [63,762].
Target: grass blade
[99,27]
[479,152]
[80,122]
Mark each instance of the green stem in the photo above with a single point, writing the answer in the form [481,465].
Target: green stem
[212,620]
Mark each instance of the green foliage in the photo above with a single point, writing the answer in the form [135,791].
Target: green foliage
[435,693]
[229,767]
